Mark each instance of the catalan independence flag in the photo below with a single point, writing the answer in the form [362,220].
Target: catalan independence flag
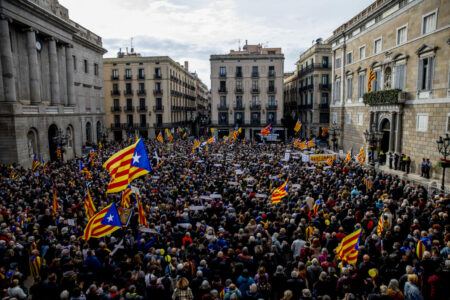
[423,245]
[280,192]
[169,135]
[266,130]
[303,145]
[35,163]
[196,144]
[349,155]
[103,223]
[126,165]
[316,206]
[380,226]
[311,143]
[35,265]
[348,244]
[125,202]
[298,125]
[211,140]
[160,138]
[88,203]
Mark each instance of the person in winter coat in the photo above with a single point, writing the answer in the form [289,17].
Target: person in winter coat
[411,291]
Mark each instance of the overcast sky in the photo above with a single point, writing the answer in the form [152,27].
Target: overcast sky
[192,30]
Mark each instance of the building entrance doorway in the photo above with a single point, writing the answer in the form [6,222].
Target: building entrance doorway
[386,129]
[52,147]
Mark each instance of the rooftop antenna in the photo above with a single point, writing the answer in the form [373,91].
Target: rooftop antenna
[239,44]
[131,45]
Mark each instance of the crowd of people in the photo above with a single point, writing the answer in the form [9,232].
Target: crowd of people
[214,233]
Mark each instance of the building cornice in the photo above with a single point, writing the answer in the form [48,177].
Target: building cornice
[246,56]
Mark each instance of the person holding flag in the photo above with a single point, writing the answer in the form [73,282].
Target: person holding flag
[35,163]
[141,212]
[348,248]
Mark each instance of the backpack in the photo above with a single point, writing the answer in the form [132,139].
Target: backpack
[264,286]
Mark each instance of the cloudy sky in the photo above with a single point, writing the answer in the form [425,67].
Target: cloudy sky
[194,29]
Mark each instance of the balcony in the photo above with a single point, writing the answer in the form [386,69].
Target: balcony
[128,108]
[142,92]
[142,108]
[255,106]
[223,122]
[128,92]
[141,125]
[238,74]
[115,93]
[324,105]
[127,77]
[116,126]
[324,86]
[395,96]
[114,77]
[303,88]
[310,86]
[177,108]
[116,109]
[222,107]
[157,92]
[255,122]
[255,74]
[255,90]
[271,74]
[222,90]
[239,106]
[312,67]
[157,76]
[158,108]
[222,75]
[272,106]
[271,90]
[161,125]
[238,90]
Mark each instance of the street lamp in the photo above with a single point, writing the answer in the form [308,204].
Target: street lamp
[372,139]
[334,131]
[443,145]
[103,133]
[60,140]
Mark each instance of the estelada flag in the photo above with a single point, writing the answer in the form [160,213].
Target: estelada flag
[266,130]
[348,244]
[88,204]
[55,205]
[298,126]
[211,140]
[126,165]
[160,138]
[103,223]
[280,192]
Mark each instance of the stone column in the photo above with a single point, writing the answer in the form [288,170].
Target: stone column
[35,78]
[69,71]
[371,120]
[6,58]
[54,73]
[391,133]
[398,138]
[377,117]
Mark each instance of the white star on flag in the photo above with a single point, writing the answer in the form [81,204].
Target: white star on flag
[110,218]
[136,158]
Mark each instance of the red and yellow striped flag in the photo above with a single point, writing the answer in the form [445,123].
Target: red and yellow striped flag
[380,226]
[35,265]
[371,79]
[160,138]
[103,223]
[280,192]
[126,165]
[348,243]
[298,125]
[55,205]
[88,204]
[125,202]
[141,212]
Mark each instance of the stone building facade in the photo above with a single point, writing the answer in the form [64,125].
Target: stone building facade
[146,95]
[51,84]
[406,44]
[308,90]
[247,91]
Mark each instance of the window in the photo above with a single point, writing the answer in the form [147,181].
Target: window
[448,123]
[255,84]
[157,86]
[348,118]
[238,71]
[362,52]
[116,103]
[128,88]
[422,122]
[325,79]
[271,101]
[360,119]
[141,74]
[158,72]
[159,119]
[222,72]
[311,98]
[141,87]
[129,103]
[159,102]
[429,22]
[115,74]
[402,35]
[239,118]
[130,120]
[324,98]
[324,118]
[116,119]
[325,61]
[223,101]
[349,88]
[361,85]
[239,101]
[377,46]
[115,87]
[142,103]
[86,67]
[271,117]
[223,118]
[349,58]
[128,73]
[399,76]
[334,117]
[255,118]
[338,63]
[271,71]
[255,71]
[376,84]
[425,75]
[255,100]
[223,86]
[74,58]
[96,69]
[238,84]
[143,120]
[337,90]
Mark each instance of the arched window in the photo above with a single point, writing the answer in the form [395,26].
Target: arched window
[32,142]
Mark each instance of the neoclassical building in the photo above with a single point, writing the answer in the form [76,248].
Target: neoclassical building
[406,44]
[51,83]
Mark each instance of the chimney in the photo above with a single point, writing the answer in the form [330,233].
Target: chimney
[186,65]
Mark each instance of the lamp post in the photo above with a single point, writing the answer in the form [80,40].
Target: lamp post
[60,140]
[443,145]
[372,138]
[334,131]
[103,133]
